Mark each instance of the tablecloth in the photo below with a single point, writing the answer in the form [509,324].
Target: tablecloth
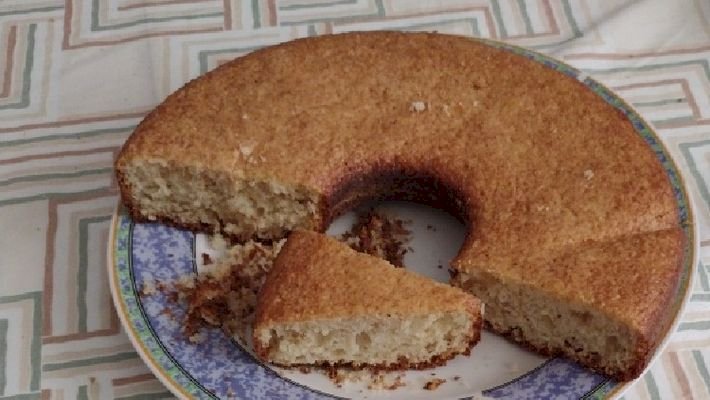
[76,76]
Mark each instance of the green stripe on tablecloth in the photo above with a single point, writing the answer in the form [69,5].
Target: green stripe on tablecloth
[256,13]
[147,396]
[27,73]
[570,17]
[83,267]
[3,355]
[82,393]
[651,386]
[55,195]
[670,121]
[694,171]
[204,54]
[380,7]
[472,21]
[30,10]
[657,103]
[95,27]
[702,368]
[78,135]
[36,347]
[703,277]
[23,396]
[694,326]
[700,297]
[499,18]
[526,17]
[311,30]
[90,361]
[316,5]
[35,343]
[650,67]
[57,175]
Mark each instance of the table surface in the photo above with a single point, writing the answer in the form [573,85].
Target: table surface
[78,75]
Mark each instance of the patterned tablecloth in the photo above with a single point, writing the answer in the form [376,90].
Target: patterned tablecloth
[76,76]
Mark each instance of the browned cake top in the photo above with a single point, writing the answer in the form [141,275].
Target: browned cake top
[316,277]
[632,279]
[536,160]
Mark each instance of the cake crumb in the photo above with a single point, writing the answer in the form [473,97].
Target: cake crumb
[434,384]
[217,242]
[206,259]
[418,106]
[398,382]
[385,381]
[149,288]
[375,380]
[542,208]
[168,312]
[197,337]
[588,174]
[186,282]
[246,149]
[304,369]
[224,296]
[380,236]
[446,110]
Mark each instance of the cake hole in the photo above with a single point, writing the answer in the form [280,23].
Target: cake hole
[436,236]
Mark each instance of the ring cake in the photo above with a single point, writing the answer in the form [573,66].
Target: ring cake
[324,303]
[573,243]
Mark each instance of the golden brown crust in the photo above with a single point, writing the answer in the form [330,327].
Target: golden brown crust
[312,272]
[316,277]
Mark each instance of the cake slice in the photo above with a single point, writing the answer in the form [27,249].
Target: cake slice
[326,304]
[607,305]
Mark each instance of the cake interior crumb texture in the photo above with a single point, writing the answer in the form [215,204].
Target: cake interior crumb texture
[326,304]
[201,197]
[377,340]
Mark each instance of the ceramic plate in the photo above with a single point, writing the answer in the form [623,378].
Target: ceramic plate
[219,367]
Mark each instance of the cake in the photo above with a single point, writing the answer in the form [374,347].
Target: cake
[550,179]
[601,304]
[326,304]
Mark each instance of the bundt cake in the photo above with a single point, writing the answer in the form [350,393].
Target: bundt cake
[567,208]
[324,303]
